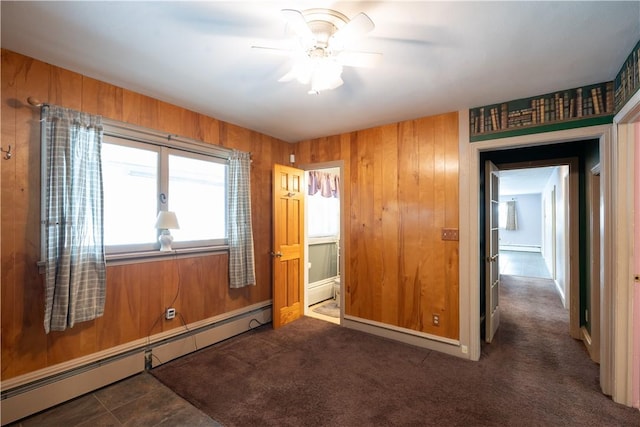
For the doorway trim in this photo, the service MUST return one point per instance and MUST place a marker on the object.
(622, 358)
(591, 336)
(470, 227)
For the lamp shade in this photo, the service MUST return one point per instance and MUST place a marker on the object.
(167, 220)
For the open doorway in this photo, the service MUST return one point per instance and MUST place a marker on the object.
(566, 237)
(322, 237)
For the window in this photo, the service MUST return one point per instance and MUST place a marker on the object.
(141, 178)
(130, 185)
(502, 215)
(197, 196)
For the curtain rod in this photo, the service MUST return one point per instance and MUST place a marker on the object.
(37, 103)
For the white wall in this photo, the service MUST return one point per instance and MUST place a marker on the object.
(529, 217)
(556, 262)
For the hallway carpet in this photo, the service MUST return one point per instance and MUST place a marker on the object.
(313, 373)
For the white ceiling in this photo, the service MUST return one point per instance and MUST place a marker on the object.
(524, 181)
(437, 56)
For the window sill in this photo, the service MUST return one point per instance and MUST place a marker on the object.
(150, 256)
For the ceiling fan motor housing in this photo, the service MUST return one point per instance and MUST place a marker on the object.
(323, 23)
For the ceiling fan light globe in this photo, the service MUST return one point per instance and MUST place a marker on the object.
(326, 76)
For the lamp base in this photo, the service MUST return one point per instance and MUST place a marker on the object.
(165, 240)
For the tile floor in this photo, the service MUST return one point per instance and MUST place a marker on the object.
(529, 264)
(139, 401)
(143, 401)
(320, 316)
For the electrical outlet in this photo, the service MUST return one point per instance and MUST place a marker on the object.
(170, 313)
(435, 320)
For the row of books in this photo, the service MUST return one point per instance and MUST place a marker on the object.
(628, 79)
(566, 105)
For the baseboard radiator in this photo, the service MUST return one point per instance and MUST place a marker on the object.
(43, 389)
(520, 248)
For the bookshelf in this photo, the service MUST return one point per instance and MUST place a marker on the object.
(627, 81)
(583, 106)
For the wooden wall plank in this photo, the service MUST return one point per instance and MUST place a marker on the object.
(121, 320)
(65, 88)
(408, 214)
(345, 205)
(140, 110)
(171, 120)
(355, 254)
(101, 98)
(261, 203)
(377, 142)
(452, 271)
(389, 225)
(72, 343)
(33, 80)
(209, 130)
(10, 72)
(429, 276)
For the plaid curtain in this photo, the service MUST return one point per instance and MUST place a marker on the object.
(239, 229)
(75, 261)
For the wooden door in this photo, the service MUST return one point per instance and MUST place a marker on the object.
(288, 244)
(492, 284)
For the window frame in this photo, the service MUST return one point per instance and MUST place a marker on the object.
(129, 133)
(165, 144)
(164, 189)
(137, 247)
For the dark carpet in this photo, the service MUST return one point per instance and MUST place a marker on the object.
(315, 373)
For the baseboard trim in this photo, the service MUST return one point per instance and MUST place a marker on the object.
(34, 392)
(561, 293)
(520, 248)
(585, 336)
(408, 336)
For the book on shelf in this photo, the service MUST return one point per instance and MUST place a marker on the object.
(494, 119)
(579, 102)
(503, 116)
(594, 99)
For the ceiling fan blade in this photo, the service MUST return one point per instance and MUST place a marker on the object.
(299, 25)
(360, 25)
(290, 76)
(359, 59)
(275, 50)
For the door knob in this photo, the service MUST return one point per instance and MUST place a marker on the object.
(276, 254)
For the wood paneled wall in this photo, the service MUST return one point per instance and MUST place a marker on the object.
(137, 294)
(400, 189)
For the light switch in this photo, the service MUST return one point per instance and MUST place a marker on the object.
(450, 234)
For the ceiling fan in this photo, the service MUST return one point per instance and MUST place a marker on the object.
(321, 52)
